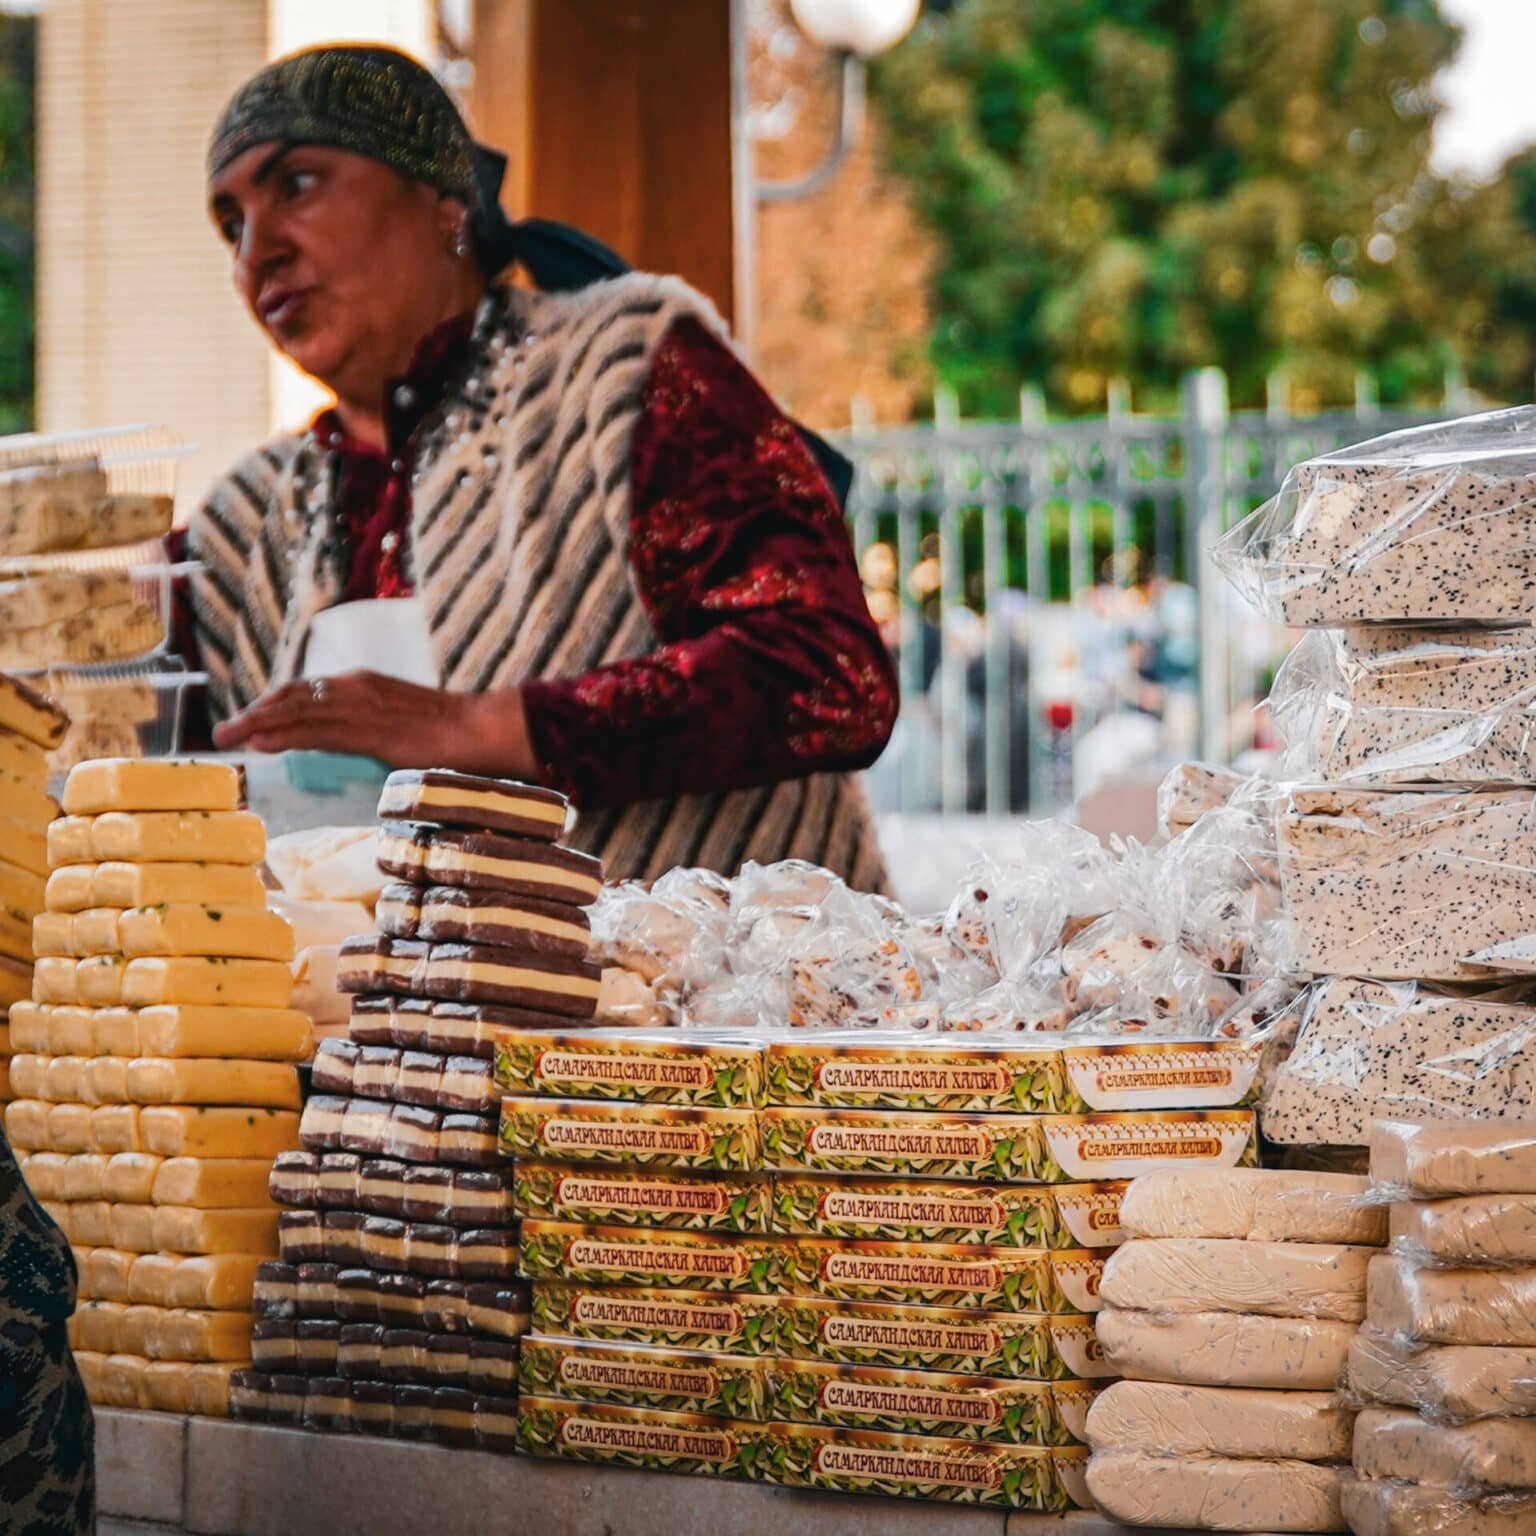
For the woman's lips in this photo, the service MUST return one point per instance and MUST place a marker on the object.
(282, 310)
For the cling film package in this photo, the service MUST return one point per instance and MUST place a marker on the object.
(957, 1275)
(888, 1070)
(659, 1135)
(1008, 1411)
(991, 1148)
(950, 1471)
(1127, 1144)
(1028, 1346)
(735, 1324)
(691, 1261)
(918, 1211)
(645, 1376)
(617, 1196)
(1163, 1074)
(692, 1067)
(642, 1437)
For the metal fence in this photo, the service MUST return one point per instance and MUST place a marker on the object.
(1047, 590)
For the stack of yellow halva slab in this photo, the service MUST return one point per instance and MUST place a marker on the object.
(154, 1073)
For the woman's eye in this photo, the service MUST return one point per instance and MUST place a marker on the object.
(229, 229)
(295, 183)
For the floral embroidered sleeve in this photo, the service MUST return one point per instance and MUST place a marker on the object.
(767, 664)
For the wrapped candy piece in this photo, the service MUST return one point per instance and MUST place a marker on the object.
(1433, 524)
(791, 883)
(1372, 1050)
(670, 945)
(1399, 883)
(1385, 706)
(1189, 791)
(1011, 1006)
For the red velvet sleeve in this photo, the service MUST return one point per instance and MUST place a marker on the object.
(767, 664)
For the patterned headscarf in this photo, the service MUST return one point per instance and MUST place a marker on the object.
(373, 101)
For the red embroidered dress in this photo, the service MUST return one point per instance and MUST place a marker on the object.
(767, 665)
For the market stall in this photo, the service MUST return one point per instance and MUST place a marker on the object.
(1123, 1185)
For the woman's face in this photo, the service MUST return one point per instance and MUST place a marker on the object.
(344, 262)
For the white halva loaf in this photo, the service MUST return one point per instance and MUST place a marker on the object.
(1225, 1349)
(1265, 1205)
(1465, 1157)
(1368, 1050)
(1448, 1383)
(1407, 883)
(1180, 1420)
(1199, 1274)
(1383, 705)
(1392, 1443)
(1467, 1229)
(1452, 1306)
(1405, 1509)
(1215, 1493)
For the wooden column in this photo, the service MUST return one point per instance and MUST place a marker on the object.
(616, 116)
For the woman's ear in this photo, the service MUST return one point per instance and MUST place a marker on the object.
(453, 224)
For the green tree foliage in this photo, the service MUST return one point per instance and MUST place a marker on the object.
(18, 42)
(1131, 188)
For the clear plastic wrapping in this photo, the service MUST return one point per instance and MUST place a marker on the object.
(1263, 1205)
(1225, 1349)
(1192, 790)
(1215, 1493)
(1200, 1274)
(1462, 1157)
(1429, 1305)
(1407, 706)
(1431, 524)
(1411, 1509)
(1394, 1444)
(1445, 1383)
(1497, 1231)
(1370, 1050)
(1245, 1422)
(1404, 883)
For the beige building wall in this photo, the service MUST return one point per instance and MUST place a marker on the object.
(136, 317)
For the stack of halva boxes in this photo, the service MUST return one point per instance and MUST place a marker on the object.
(1407, 845)
(861, 1261)
(1444, 1369)
(154, 1073)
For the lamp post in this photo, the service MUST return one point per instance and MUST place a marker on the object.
(854, 31)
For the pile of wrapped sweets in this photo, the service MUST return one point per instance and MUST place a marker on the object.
(1444, 1369)
(855, 1261)
(396, 1307)
(154, 1074)
(29, 727)
(1230, 1311)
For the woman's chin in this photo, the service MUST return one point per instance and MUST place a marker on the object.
(309, 354)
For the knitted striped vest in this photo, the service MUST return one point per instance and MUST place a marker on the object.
(520, 549)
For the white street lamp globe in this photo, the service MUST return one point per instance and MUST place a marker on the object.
(865, 27)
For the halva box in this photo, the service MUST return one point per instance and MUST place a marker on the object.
(891, 1070)
(641, 1437)
(646, 1376)
(1008, 1411)
(1127, 1144)
(919, 1467)
(620, 1196)
(660, 1135)
(1091, 1212)
(1163, 1074)
(987, 1148)
(953, 1275)
(685, 1067)
(689, 1261)
(918, 1211)
(735, 1324)
(1028, 1346)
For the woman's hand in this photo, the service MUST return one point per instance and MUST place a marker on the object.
(401, 724)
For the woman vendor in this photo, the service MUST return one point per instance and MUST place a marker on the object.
(561, 536)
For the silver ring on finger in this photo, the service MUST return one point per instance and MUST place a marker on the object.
(318, 690)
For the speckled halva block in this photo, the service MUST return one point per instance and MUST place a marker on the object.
(1407, 883)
